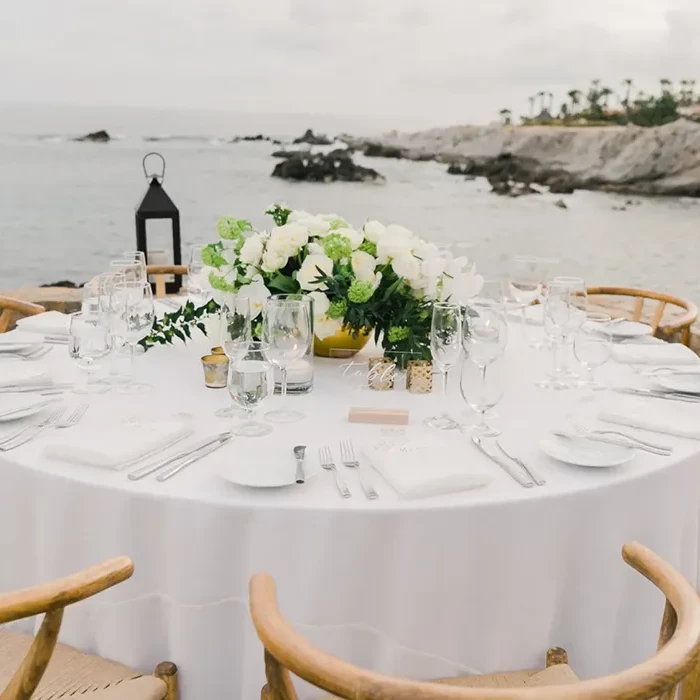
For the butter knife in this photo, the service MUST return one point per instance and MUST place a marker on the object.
(299, 454)
(688, 398)
(150, 468)
(198, 454)
(527, 483)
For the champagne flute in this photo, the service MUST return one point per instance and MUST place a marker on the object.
(236, 333)
(250, 382)
(556, 320)
(446, 349)
(482, 389)
(89, 344)
(287, 330)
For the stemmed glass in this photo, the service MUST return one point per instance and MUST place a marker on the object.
(593, 348)
(287, 331)
(198, 288)
(525, 287)
(236, 333)
(133, 270)
(250, 382)
(578, 304)
(557, 309)
(482, 390)
(133, 314)
(446, 349)
(485, 331)
(89, 344)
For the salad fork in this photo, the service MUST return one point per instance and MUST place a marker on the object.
(13, 442)
(584, 430)
(74, 417)
(326, 459)
(347, 457)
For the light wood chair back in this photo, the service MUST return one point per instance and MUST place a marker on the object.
(676, 661)
(51, 599)
(11, 308)
(159, 274)
(681, 322)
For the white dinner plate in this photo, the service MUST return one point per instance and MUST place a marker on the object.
(21, 372)
(687, 383)
(274, 468)
(628, 329)
(18, 406)
(586, 453)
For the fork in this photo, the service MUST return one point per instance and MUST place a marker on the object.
(590, 431)
(74, 417)
(326, 459)
(50, 420)
(347, 457)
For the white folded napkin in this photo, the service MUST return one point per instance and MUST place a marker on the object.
(115, 446)
(18, 337)
(419, 469)
(21, 373)
(661, 354)
(672, 422)
(48, 323)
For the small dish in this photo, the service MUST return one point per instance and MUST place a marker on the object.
(684, 383)
(582, 452)
(627, 329)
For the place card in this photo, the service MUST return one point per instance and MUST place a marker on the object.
(384, 416)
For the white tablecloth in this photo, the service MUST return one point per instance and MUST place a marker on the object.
(478, 581)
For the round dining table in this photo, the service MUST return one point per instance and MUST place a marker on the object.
(476, 581)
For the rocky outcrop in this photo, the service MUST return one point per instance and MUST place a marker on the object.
(323, 167)
(256, 137)
(66, 284)
(313, 139)
(96, 137)
(626, 159)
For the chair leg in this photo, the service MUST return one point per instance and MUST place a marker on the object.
(685, 336)
(167, 672)
(556, 656)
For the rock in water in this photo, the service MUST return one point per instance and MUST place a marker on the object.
(96, 136)
(324, 167)
(313, 139)
(561, 204)
(66, 284)
(376, 150)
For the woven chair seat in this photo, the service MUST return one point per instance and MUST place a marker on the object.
(71, 672)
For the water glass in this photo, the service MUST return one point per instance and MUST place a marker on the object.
(199, 290)
(250, 382)
(446, 349)
(287, 330)
(236, 333)
(557, 310)
(593, 348)
(89, 346)
(482, 388)
(484, 331)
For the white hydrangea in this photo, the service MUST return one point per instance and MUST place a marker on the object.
(273, 260)
(288, 239)
(252, 250)
(309, 272)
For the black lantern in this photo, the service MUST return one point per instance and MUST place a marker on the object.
(157, 205)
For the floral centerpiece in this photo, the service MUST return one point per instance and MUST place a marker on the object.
(377, 277)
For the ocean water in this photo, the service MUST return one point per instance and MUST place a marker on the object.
(67, 208)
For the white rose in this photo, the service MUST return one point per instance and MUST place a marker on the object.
(315, 226)
(252, 250)
(374, 231)
(396, 231)
(309, 271)
(288, 238)
(315, 249)
(406, 266)
(363, 265)
(321, 304)
(395, 243)
(355, 237)
(326, 327)
(273, 260)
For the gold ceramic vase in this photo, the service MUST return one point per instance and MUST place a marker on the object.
(342, 344)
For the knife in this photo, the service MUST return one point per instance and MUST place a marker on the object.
(41, 404)
(613, 441)
(527, 483)
(197, 455)
(688, 398)
(299, 453)
(150, 468)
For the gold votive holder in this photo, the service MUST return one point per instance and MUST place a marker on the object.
(215, 371)
(419, 376)
(380, 376)
(218, 350)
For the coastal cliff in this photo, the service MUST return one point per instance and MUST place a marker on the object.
(629, 159)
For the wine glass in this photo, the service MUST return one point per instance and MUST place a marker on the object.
(287, 332)
(578, 305)
(133, 270)
(484, 331)
(235, 334)
(133, 314)
(198, 288)
(556, 319)
(89, 344)
(250, 382)
(135, 255)
(525, 287)
(446, 348)
(482, 389)
(593, 348)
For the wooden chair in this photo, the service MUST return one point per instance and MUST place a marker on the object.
(676, 662)
(11, 308)
(680, 322)
(49, 671)
(160, 272)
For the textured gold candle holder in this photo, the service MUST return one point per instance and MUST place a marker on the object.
(419, 376)
(215, 371)
(380, 376)
(218, 350)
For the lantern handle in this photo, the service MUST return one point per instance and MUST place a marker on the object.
(159, 177)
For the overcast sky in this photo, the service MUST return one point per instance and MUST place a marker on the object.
(440, 59)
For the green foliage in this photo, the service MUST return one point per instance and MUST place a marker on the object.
(179, 324)
(337, 247)
(337, 309)
(337, 223)
(360, 292)
(211, 255)
(279, 214)
(369, 247)
(220, 283)
(231, 229)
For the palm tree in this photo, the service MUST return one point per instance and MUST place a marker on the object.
(666, 85)
(505, 116)
(551, 102)
(541, 94)
(575, 97)
(605, 95)
(628, 83)
(531, 100)
(691, 91)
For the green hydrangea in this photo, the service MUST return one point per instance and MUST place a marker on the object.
(258, 330)
(231, 229)
(360, 292)
(396, 334)
(369, 247)
(337, 247)
(337, 309)
(211, 255)
(220, 284)
(334, 224)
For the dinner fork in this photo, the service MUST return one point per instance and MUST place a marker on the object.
(347, 457)
(590, 431)
(74, 417)
(326, 459)
(50, 420)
